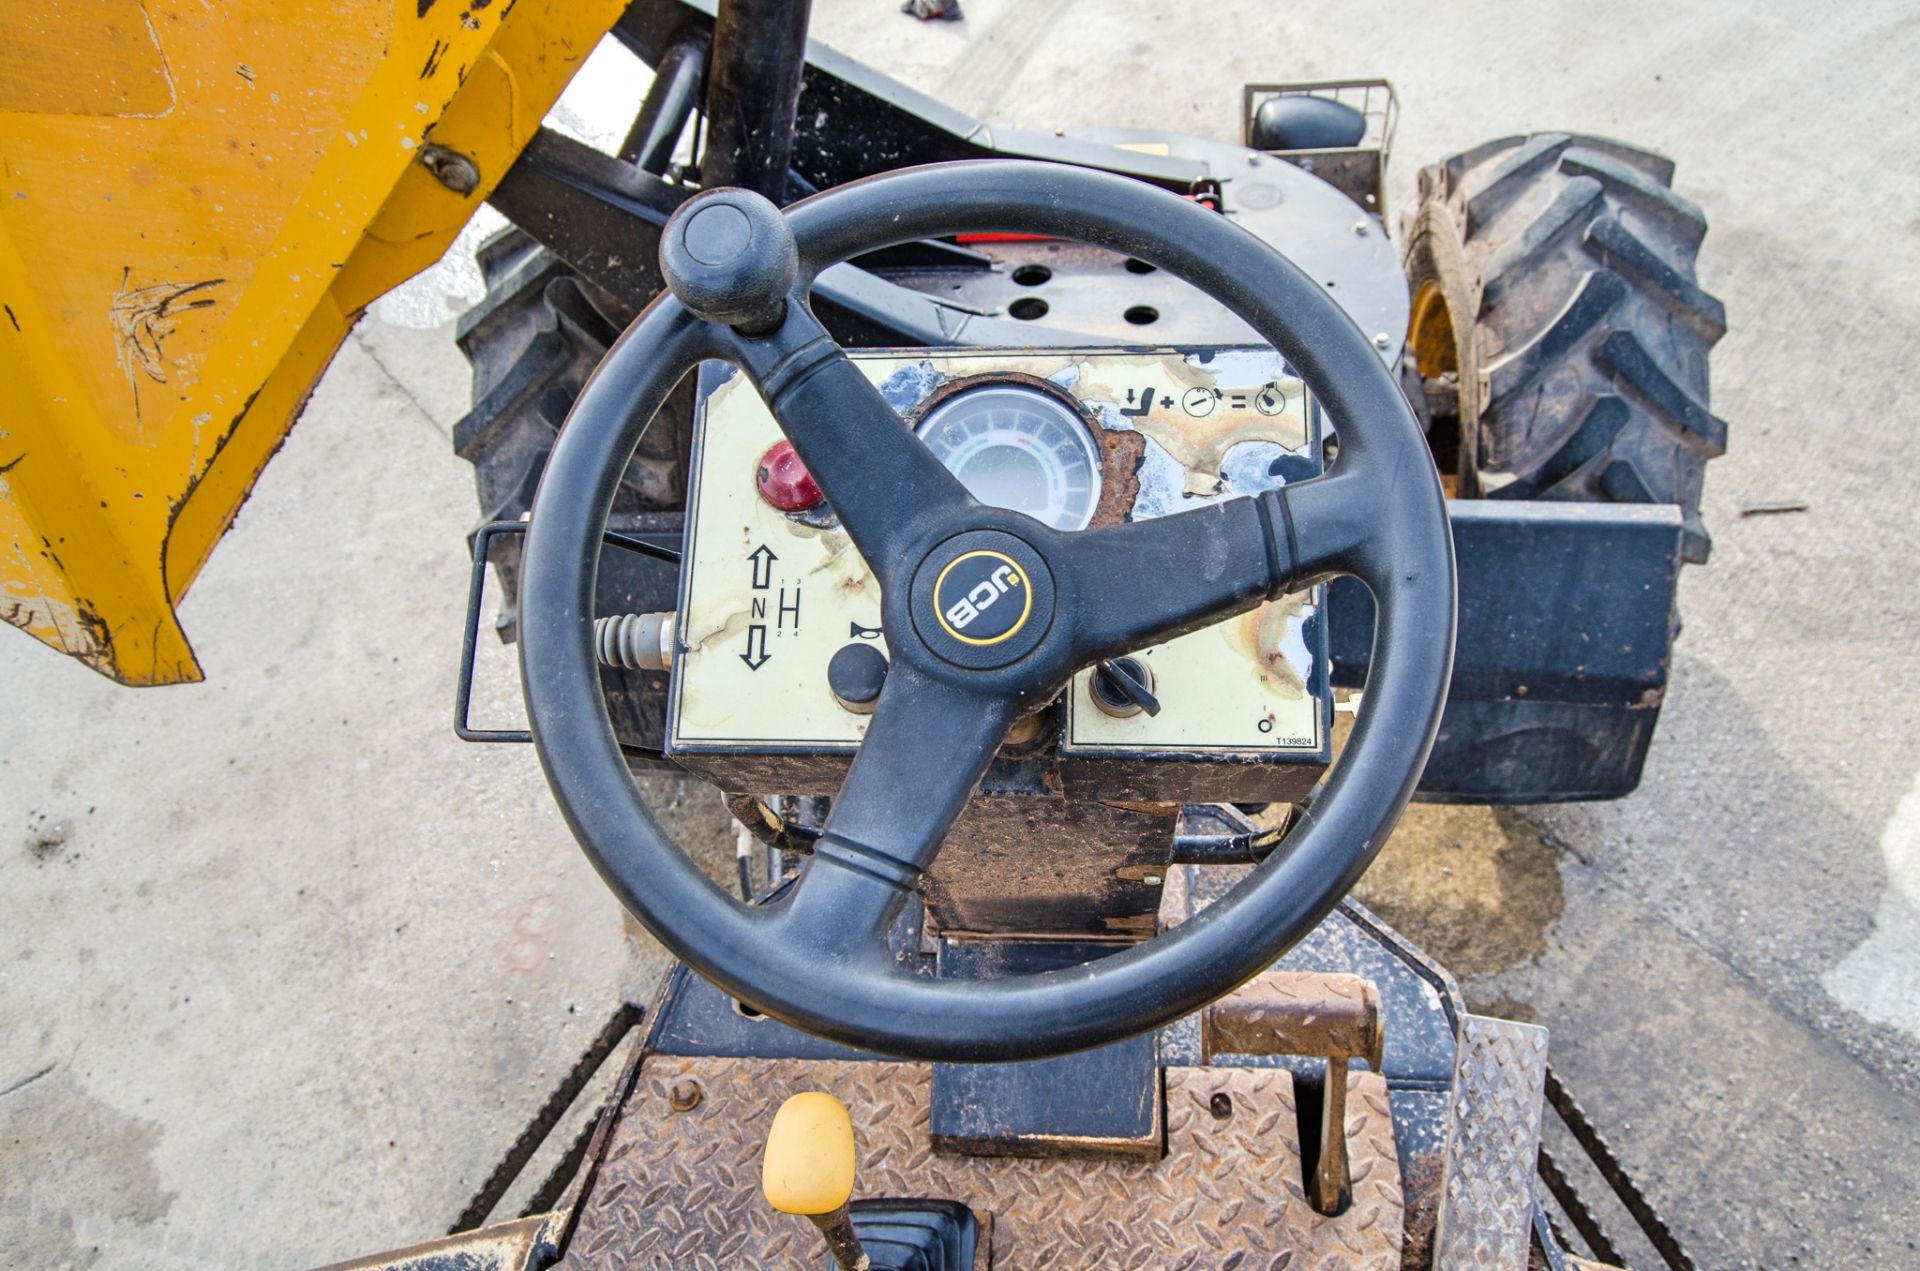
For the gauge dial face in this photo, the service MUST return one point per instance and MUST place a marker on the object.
(1018, 448)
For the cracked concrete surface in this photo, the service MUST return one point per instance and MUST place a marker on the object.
(287, 967)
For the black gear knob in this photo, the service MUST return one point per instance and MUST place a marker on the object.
(729, 256)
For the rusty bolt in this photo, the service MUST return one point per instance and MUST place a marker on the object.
(685, 1096)
(450, 168)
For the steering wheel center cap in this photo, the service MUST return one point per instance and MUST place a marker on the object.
(982, 599)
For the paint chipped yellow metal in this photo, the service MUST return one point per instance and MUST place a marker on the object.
(196, 202)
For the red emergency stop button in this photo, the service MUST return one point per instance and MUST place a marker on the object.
(784, 481)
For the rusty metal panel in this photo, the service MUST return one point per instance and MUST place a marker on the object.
(1052, 867)
(520, 1245)
(681, 1190)
(1493, 1145)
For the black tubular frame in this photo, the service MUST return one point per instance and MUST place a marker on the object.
(759, 51)
(669, 103)
(1389, 501)
(470, 637)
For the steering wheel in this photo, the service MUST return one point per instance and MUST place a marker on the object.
(739, 271)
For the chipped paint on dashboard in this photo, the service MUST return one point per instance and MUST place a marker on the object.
(768, 598)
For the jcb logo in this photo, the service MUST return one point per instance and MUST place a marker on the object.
(982, 597)
(961, 613)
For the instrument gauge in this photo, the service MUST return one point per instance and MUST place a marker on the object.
(1018, 448)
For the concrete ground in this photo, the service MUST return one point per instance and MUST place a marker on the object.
(288, 967)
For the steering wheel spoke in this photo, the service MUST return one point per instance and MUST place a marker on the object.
(1326, 526)
(925, 750)
(879, 478)
(1145, 582)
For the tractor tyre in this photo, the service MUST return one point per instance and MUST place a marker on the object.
(533, 340)
(1558, 329)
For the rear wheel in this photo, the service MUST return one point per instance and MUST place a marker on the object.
(533, 340)
(1558, 329)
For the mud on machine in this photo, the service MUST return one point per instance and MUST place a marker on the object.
(1052, 509)
(1069, 551)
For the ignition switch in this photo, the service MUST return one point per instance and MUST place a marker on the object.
(1123, 687)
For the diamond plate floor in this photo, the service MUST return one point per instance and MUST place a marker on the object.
(1493, 1143)
(682, 1190)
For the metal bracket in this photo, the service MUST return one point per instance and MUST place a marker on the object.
(476, 590)
(1359, 172)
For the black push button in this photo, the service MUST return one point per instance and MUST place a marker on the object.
(856, 675)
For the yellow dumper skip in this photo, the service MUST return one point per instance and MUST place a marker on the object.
(196, 202)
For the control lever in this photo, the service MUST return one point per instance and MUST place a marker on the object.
(1326, 1014)
(635, 641)
(808, 1171)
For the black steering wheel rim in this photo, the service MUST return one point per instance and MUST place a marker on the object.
(1388, 502)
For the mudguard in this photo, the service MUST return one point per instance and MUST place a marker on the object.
(196, 203)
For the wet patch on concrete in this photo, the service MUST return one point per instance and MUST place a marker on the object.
(90, 1164)
(1477, 888)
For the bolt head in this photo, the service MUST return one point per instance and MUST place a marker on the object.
(685, 1095)
(450, 168)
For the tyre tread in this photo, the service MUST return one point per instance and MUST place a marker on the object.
(1513, 374)
(1591, 333)
(1623, 353)
(1618, 247)
(1504, 181)
(1635, 186)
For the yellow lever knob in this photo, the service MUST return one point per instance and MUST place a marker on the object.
(808, 1168)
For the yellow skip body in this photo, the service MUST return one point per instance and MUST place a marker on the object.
(196, 202)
